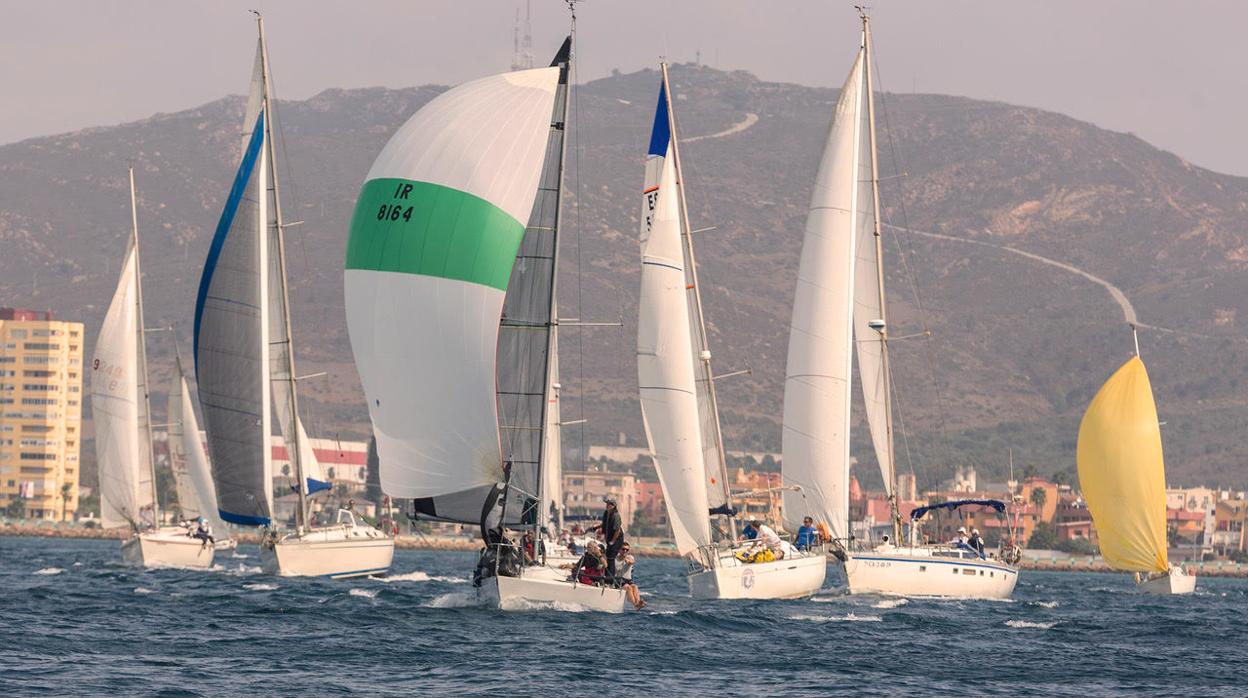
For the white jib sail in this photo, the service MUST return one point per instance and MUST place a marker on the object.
(669, 404)
(119, 446)
(432, 245)
(187, 447)
(817, 383)
(551, 513)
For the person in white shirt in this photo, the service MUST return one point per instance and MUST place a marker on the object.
(771, 539)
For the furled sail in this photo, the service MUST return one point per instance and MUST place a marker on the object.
(817, 383)
(665, 368)
(232, 334)
(120, 449)
(433, 242)
(190, 463)
(1122, 471)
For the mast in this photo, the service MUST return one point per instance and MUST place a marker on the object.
(704, 349)
(293, 446)
(879, 268)
(138, 300)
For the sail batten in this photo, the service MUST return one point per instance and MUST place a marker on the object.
(1122, 471)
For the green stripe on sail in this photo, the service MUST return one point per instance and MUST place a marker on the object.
(428, 229)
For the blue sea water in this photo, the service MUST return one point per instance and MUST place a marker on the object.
(75, 621)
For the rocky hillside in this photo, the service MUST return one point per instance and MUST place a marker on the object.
(984, 199)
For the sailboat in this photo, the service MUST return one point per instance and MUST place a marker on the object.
(678, 399)
(450, 301)
(839, 309)
(1123, 477)
(245, 369)
(123, 428)
(197, 495)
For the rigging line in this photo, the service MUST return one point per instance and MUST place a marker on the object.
(912, 281)
(290, 174)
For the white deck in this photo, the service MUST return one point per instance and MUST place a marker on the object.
(1176, 581)
(350, 549)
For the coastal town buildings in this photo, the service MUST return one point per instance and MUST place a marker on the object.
(40, 414)
(583, 491)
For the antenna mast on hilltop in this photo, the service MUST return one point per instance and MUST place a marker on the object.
(523, 47)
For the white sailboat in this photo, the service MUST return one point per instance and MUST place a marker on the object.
(450, 304)
(123, 430)
(839, 305)
(1122, 474)
(245, 368)
(678, 400)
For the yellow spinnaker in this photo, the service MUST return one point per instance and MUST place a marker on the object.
(1122, 473)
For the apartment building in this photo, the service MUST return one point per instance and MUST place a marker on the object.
(40, 413)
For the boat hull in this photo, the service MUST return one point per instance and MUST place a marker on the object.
(542, 590)
(167, 547)
(902, 573)
(1175, 582)
(334, 552)
(794, 578)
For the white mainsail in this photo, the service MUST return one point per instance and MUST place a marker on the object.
(432, 246)
(231, 336)
(120, 449)
(665, 355)
(189, 461)
(818, 372)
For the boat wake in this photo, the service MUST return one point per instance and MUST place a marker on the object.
(528, 605)
(237, 571)
(144, 590)
(260, 587)
(890, 603)
(49, 571)
(1030, 624)
(1043, 604)
(847, 618)
(458, 599)
(421, 577)
(365, 593)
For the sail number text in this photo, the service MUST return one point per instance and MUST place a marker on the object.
(395, 211)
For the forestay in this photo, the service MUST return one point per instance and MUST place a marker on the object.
(817, 384)
(1122, 472)
(432, 245)
(665, 355)
(232, 334)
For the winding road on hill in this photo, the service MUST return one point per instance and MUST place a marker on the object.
(749, 120)
(1128, 310)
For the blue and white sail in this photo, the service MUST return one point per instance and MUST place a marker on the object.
(665, 352)
(231, 336)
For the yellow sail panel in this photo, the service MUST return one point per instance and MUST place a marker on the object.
(1122, 473)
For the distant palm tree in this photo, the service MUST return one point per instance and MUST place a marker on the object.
(1039, 497)
(64, 499)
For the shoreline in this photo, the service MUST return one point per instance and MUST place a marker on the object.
(423, 542)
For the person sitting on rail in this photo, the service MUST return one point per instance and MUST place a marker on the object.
(592, 567)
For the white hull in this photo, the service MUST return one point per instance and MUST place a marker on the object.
(940, 572)
(540, 587)
(337, 552)
(793, 578)
(166, 547)
(1175, 582)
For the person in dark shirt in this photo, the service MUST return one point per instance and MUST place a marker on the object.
(612, 529)
(750, 532)
(977, 542)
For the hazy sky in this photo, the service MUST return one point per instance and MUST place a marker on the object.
(1174, 73)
